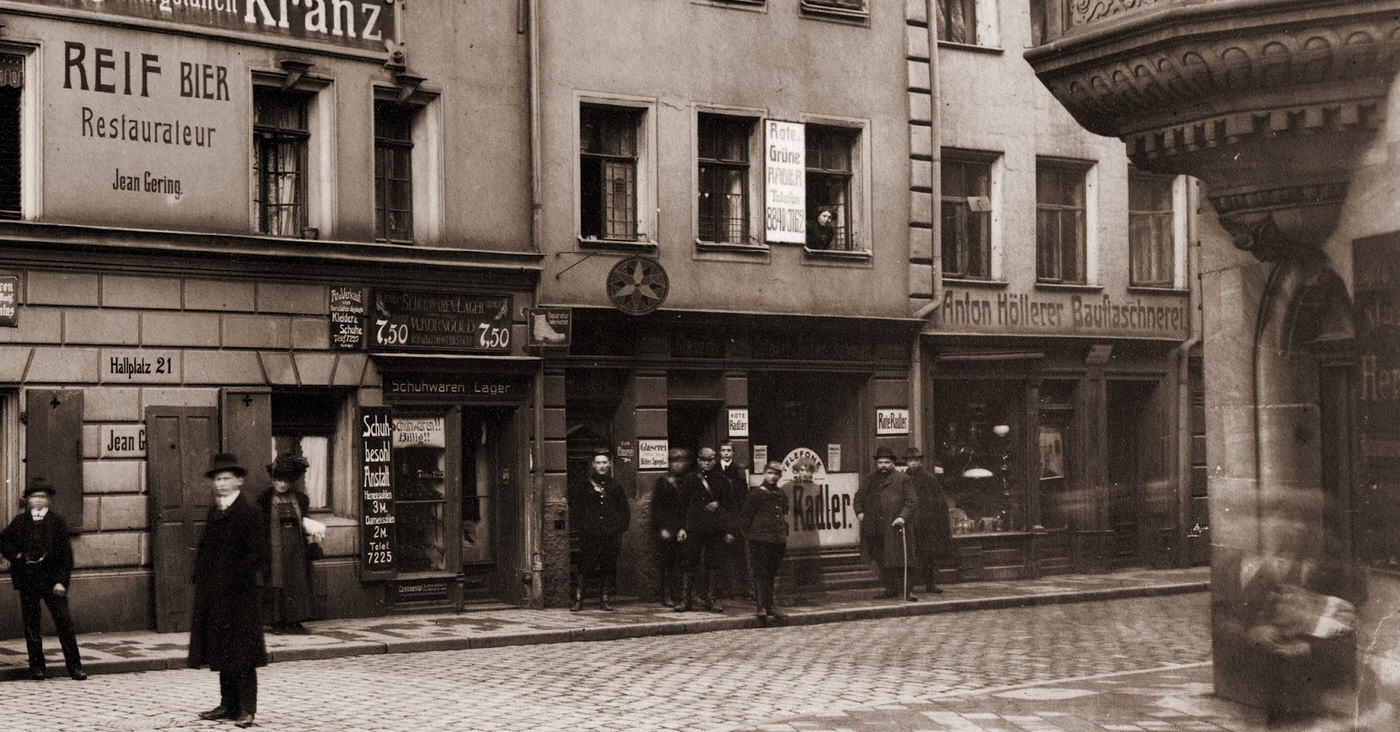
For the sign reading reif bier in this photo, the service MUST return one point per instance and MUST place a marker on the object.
(376, 459)
(347, 318)
(785, 171)
(439, 321)
(366, 24)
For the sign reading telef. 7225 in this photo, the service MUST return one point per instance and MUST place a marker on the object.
(439, 321)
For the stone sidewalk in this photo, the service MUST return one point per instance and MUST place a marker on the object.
(494, 627)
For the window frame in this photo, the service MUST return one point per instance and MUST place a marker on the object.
(319, 178)
(400, 151)
(427, 168)
(1172, 260)
(754, 238)
(275, 135)
(989, 258)
(837, 8)
(30, 133)
(983, 27)
(1086, 207)
(858, 191)
(644, 187)
(337, 428)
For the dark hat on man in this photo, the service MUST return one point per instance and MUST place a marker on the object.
(39, 484)
(773, 465)
(912, 452)
(884, 452)
(288, 466)
(225, 462)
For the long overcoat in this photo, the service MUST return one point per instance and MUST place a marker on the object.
(882, 498)
(931, 529)
(667, 506)
(699, 490)
(226, 623)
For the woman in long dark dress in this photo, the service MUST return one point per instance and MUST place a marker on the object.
(288, 590)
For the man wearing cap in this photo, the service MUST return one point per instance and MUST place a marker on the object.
(41, 560)
(226, 626)
(931, 532)
(884, 504)
(709, 527)
(763, 522)
(599, 512)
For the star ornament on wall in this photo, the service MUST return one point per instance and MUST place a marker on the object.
(637, 285)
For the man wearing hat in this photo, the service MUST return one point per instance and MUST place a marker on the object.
(226, 627)
(41, 560)
(884, 504)
(763, 523)
(931, 533)
(599, 512)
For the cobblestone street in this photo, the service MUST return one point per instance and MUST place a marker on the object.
(718, 680)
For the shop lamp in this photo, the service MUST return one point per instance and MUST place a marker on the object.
(977, 473)
(1001, 430)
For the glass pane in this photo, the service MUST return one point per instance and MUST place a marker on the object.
(1047, 244)
(608, 131)
(420, 490)
(1072, 246)
(1059, 186)
(1149, 192)
(619, 199)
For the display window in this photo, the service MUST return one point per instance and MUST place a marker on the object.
(420, 485)
(979, 433)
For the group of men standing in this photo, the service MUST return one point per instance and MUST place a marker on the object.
(704, 534)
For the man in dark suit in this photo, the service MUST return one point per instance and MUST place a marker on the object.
(600, 513)
(736, 567)
(41, 560)
(884, 504)
(708, 530)
(226, 628)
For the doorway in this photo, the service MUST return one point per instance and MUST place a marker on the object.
(693, 424)
(1134, 440)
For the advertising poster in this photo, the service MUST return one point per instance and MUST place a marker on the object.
(785, 172)
(821, 513)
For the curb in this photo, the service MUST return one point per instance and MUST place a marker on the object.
(646, 629)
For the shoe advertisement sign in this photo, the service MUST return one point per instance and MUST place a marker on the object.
(550, 327)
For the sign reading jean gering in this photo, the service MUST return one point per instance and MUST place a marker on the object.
(407, 321)
(376, 492)
(785, 171)
(821, 513)
(368, 24)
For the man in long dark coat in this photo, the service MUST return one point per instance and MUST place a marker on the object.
(709, 529)
(226, 626)
(931, 531)
(884, 504)
(599, 512)
(736, 569)
(667, 519)
(41, 561)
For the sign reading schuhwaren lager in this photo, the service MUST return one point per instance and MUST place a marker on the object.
(359, 23)
(439, 321)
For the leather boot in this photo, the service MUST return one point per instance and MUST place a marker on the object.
(603, 603)
(687, 593)
(710, 603)
(768, 594)
(578, 599)
(757, 590)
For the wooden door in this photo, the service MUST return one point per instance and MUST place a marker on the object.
(54, 448)
(180, 442)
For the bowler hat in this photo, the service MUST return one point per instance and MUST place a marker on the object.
(912, 452)
(224, 462)
(39, 484)
(288, 466)
(884, 452)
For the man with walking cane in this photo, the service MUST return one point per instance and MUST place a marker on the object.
(884, 505)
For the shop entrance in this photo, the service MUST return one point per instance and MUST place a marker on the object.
(1135, 449)
(486, 502)
(693, 424)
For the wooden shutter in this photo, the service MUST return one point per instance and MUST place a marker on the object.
(54, 447)
(246, 419)
(179, 444)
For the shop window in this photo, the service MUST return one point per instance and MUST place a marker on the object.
(304, 423)
(1061, 222)
(723, 143)
(830, 188)
(971, 22)
(1151, 229)
(979, 431)
(838, 8)
(281, 137)
(421, 491)
(393, 172)
(11, 135)
(610, 172)
(789, 410)
(967, 217)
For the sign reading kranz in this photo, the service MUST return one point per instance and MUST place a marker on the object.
(1061, 313)
(785, 173)
(892, 421)
(376, 462)
(368, 24)
(821, 512)
(439, 321)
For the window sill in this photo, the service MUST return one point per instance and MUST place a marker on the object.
(1158, 290)
(1068, 287)
(828, 12)
(731, 248)
(836, 255)
(970, 282)
(974, 48)
(618, 245)
(753, 6)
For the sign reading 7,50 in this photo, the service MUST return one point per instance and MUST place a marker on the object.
(438, 321)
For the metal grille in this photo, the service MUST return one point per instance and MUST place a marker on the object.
(393, 172)
(724, 178)
(608, 172)
(280, 138)
(1059, 192)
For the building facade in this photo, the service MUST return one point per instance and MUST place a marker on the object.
(1055, 367)
(253, 228)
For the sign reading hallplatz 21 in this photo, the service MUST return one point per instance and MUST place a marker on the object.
(358, 23)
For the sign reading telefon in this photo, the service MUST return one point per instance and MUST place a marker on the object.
(821, 513)
(785, 171)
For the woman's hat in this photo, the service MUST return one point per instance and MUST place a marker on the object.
(288, 466)
(884, 452)
(39, 484)
(224, 462)
(913, 452)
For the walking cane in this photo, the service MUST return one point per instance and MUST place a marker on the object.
(904, 541)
